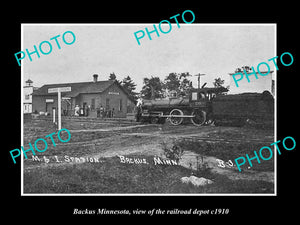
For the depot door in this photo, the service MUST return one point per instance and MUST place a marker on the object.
(49, 106)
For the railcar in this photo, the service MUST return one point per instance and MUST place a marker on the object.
(209, 105)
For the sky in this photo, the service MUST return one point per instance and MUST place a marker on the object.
(211, 49)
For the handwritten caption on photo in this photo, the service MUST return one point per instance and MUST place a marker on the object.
(66, 159)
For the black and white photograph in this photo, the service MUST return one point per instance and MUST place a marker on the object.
(144, 109)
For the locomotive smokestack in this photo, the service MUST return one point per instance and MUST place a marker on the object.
(95, 76)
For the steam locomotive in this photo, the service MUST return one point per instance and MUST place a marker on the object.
(210, 105)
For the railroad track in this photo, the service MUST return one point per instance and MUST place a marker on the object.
(157, 134)
(110, 128)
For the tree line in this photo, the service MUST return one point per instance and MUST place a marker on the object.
(154, 87)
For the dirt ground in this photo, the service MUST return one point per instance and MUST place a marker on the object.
(207, 145)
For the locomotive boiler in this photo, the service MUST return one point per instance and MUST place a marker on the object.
(209, 105)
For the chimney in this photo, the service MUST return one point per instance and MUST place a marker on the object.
(95, 77)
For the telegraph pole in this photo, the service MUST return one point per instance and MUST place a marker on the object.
(202, 74)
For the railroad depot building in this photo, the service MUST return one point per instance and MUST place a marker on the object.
(90, 97)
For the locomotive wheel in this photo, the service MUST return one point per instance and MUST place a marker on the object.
(154, 120)
(200, 117)
(176, 120)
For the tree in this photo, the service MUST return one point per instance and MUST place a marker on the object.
(172, 82)
(185, 84)
(178, 82)
(153, 88)
(128, 84)
(218, 82)
(242, 69)
(112, 76)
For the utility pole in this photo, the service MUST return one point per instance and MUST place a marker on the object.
(202, 74)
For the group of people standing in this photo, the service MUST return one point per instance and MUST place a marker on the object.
(82, 111)
(101, 111)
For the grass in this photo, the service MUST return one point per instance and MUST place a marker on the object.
(229, 151)
(112, 176)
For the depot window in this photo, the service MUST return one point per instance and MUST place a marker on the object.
(120, 105)
(92, 104)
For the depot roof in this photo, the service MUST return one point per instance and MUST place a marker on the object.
(78, 88)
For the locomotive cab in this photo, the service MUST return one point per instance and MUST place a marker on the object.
(201, 104)
(201, 97)
(205, 94)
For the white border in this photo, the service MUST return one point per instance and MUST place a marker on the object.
(22, 116)
(152, 194)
